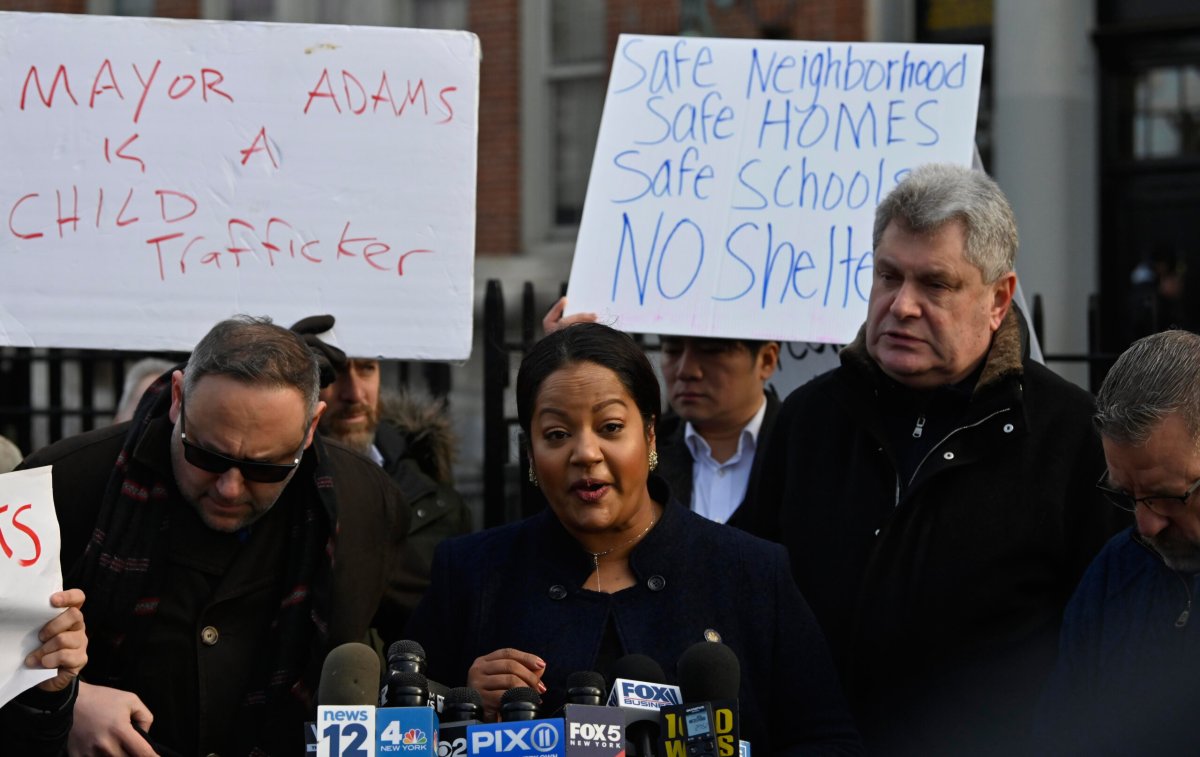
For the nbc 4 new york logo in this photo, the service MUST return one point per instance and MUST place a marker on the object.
(407, 730)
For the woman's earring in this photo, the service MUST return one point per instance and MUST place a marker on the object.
(532, 476)
(653, 459)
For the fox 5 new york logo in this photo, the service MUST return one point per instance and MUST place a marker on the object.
(593, 734)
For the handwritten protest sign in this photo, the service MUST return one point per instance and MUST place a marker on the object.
(734, 181)
(29, 574)
(161, 175)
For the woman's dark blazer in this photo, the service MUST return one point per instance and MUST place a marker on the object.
(519, 586)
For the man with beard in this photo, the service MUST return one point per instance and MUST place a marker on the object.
(224, 549)
(1127, 678)
(410, 439)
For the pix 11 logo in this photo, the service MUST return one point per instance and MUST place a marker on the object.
(532, 738)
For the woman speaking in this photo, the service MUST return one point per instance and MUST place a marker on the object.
(616, 567)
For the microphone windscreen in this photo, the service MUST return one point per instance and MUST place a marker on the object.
(709, 671)
(406, 646)
(460, 695)
(586, 687)
(519, 703)
(520, 694)
(586, 679)
(639, 667)
(350, 676)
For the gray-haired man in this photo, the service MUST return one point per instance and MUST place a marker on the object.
(1128, 676)
(935, 490)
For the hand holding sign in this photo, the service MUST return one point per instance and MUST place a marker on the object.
(64, 642)
(29, 573)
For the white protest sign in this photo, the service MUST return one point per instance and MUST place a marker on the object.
(734, 183)
(161, 175)
(29, 574)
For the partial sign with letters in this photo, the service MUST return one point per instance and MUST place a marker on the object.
(29, 574)
(528, 738)
(161, 175)
(345, 731)
(734, 181)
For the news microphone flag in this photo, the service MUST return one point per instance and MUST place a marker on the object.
(643, 695)
(344, 730)
(406, 731)
(521, 738)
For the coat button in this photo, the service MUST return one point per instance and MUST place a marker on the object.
(209, 636)
(1008, 428)
(948, 455)
(420, 512)
(656, 583)
(558, 591)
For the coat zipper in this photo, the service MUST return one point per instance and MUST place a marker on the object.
(932, 449)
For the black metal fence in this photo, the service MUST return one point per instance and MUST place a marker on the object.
(49, 394)
(507, 494)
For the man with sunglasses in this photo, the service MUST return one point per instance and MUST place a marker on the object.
(224, 548)
(1128, 675)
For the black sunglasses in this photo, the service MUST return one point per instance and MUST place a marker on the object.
(215, 462)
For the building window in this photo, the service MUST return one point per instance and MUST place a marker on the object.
(1166, 112)
(567, 72)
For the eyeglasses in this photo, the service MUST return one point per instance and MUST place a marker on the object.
(215, 462)
(1166, 505)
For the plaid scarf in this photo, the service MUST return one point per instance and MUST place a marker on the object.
(124, 568)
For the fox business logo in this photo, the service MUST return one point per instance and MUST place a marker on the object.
(648, 695)
(538, 739)
(593, 734)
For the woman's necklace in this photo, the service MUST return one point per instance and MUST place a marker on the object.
(597, 555)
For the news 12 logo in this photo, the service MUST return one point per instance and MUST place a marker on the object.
(641, 694)
(532, 738)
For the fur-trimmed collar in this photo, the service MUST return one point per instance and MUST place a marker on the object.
(427, 430)
(1004, 357)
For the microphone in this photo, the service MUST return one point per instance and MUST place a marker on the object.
(349, 676)
(709, 679)
(585, 687)
(639, 691)
(592, 730)
(462, 703)
(519, 703)
(346, 698)
(463, 707)
(406, 689)
(407, 656)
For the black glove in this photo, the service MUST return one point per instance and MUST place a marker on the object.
(329, 358)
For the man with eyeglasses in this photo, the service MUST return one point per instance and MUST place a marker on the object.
(224, 549)
(1128, 675)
